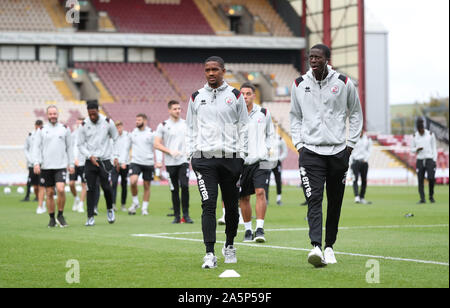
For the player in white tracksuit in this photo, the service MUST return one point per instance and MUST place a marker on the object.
(321, 102)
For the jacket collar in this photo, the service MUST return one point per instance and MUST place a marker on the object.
(331, 73)
(221, 88)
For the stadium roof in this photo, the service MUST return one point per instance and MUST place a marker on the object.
(151, 40)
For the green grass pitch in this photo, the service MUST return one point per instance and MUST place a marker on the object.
(377, 246)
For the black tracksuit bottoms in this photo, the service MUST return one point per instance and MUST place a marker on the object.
(211, 173)
(93, 174)
(179, 176)
(316, 171)
(427, 166)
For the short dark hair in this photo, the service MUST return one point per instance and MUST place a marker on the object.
(92, 104)
(38, 123)
(216, 59)
(325, 49)
(172, 102)
(249, 85)
(141, 115)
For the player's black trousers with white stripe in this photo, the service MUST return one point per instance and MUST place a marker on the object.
(360, 167)
(103, 173)
(211, 173)
(179, 176)
(427, 166)
(316, 171)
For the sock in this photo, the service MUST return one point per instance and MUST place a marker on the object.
(260, 223)
(248, 225)
(145, 205)
(278, 198)
(209, 248)
(135, 200)
(81, 204)
(229, 241)
(52, 215)
(77, 199)
(60, 213)
(223, 211)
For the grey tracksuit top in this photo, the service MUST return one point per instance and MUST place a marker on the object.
(93, 138)
(173, 135)
(217, 122)
(319, 111)
(261, 136)
(52, 147)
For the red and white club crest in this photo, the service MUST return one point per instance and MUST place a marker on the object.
(229, 100)
(335, 90)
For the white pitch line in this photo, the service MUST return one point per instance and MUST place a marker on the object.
(307, 229)
(165, 236)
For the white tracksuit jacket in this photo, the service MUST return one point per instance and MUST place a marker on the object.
(319, 111)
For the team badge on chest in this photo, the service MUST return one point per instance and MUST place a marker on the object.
(335, 90)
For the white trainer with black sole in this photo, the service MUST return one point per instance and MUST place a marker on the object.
(132, 209)
(209, 261)
(229, 253)
(90, 222)
(315, 257)
(329, 256)
(111, 216)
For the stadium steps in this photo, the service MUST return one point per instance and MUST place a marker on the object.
(57, 14)
(211, 16)
(105, 95)
(64, 89)
(105, 23)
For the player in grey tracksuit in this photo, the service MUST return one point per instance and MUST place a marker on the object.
(170, 138)
(52, 155)
(258, 165)
(123, 142)
(424, 146)
(94, 144)
(321, 102)
(217, 120)
(359, 164)
(33, 179)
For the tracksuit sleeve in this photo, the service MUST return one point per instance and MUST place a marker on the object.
(284, 150)
(296, 119)
(69, 148)
(81, 143)
(434, 147)
(192, 129)
(242, 127)
(28, 151)
(37, 148)
(355, 115)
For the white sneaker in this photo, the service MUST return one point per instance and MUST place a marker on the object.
(90, 222)
(230, 254)
(144, 212)
(111, 216)
(364, 201)
(75, 206)
(221, 221)
(40, 210)
(315, 257)
(357, 199)
(209, 261)
(132, 209)
(80, 208)
(329, 256)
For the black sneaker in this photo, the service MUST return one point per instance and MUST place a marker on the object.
(25, 200)
(421, 202)
(259, 235)
(61, 221)
(52, 223)
(176, 220)
(248, 236)
(432, 200)
(188, 220)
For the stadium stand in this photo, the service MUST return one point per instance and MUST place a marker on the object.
(264, 14)
(135, 88)
(152, 16)
(25, 15)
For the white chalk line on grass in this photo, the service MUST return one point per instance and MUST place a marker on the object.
(170, 236)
